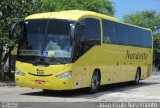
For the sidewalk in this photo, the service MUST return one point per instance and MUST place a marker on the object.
(7, 83)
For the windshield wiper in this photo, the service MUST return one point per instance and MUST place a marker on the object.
(45, 61)
(26, 58)
(61, 61)
(40, 60)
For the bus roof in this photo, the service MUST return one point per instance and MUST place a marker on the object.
(76, 15)
(70, 15)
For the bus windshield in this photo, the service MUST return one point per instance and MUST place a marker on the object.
(45, 38)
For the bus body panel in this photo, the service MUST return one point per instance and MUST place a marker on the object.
(111, 60)
(113, 64)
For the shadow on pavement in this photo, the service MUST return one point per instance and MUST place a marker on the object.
(83, 93)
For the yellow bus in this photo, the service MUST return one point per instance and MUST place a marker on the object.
(80, 49)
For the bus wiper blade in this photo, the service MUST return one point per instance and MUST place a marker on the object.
(26, 58)
(39, 60)
(59, 60)
(41, 63)
(44, 60)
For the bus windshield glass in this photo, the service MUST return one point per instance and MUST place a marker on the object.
(45, 38)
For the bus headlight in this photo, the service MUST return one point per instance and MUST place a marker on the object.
(18, 72)
(65, 75)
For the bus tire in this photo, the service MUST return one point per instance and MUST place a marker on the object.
(137, 77)
(95, 82)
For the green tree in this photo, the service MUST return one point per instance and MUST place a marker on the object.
(148, 19)
(101, 6)
(11, 11)
(156, 50)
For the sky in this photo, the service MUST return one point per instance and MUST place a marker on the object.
(123, 7)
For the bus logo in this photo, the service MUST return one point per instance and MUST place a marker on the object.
(136, 55)
(40, 72)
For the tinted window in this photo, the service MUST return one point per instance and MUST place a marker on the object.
(46, 38)
(79, 37)
(109, 31)
(117, 33)
(92, 29)
(87, 35)
(92, 33)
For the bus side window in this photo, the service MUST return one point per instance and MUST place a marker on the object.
(91, 33)
(79, 39)
(107, 39)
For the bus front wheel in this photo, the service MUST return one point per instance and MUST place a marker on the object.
(95, 82)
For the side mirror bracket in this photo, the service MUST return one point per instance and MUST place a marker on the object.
(12, 28)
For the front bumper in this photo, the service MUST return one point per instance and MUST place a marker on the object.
(50, 82)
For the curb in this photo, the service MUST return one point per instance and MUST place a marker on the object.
(8, 84)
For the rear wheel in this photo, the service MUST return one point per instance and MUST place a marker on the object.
(95, 82)
(137, 77)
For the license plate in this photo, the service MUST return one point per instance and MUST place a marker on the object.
(40, 82)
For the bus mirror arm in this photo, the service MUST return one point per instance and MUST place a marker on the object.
(12, 28)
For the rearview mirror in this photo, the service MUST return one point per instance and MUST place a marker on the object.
(74, 26)
(72, 31)
(19, 24)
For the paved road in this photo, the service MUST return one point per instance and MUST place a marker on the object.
(147, 91)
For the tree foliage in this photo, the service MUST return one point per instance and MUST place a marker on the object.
(148, 19)
(156, 50)
(13, 10)
(101, 6)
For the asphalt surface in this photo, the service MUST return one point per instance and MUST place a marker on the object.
(147, 91)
